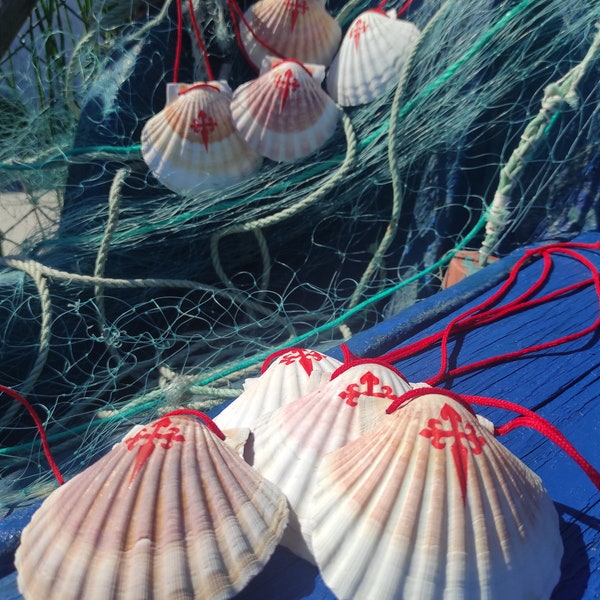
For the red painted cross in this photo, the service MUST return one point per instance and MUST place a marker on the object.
(204, 125)
(147, 438)
(288, 84)
(297, 7)
(367, 386)
(458, 432)
(356, 30)
(305, 358)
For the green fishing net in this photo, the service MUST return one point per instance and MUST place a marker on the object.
(126, 299)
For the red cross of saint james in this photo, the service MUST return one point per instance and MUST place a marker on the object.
(369, 385)
(357, 30)
(204, 125)
(459, 433)
(296, 7)
(304, 358)
(287, 84)
(160, 431)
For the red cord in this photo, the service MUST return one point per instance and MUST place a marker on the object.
(486, 312)
(424, 391)
(404, 8)
(350, 360)
(40, 428)
(526, 418)
(200, 42)
(291, 60)
(530, 419)
(199, 86)
(236, 11)
(381, 7)
(199, 39)
(179, 42)
(419, 346)
(501, 312)
(210, 424)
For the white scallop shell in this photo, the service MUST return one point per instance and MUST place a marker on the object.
(289, 375)
(290, 442)
(284, 114)
(191, 145)
(299, 29)
(371, 57)
(169, 512)
(429, 505)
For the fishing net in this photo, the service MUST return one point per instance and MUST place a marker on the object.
(130, 300)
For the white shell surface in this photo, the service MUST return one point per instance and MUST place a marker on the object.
(289, 376)
(299, 29)
(429, 505)
(170, 512)
(191, 145)
(284, 114)
(371, 58)
(290, 442)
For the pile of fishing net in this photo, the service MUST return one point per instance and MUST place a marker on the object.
(138, 299)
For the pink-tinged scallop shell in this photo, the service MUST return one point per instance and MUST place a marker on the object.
(191, 145)
(371, 57)
(299, 29)
(430, 505)
(289, 443)
(289, 375)
(284, 114)
(170, 512)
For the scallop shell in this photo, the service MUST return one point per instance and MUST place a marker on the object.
(290, 442)
(371, 57)
(299, 29)
(429, 505)
(284, 114)
(191, 145)
(170, 512)
(290, 375)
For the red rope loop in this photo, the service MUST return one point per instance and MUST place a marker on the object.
(294, 61)
(519, 304)
(199, 40)
(179, 43)
(404, 8)
(40, 427)
(350, 360)
(426, 391)
(235, 12)
(190, 412)
(275, 355)
(526, 418)
(198, 86)
(381, 7)
(529, 418)
(488, 311)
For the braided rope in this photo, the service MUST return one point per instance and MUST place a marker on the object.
(556, 96)
(114, 199)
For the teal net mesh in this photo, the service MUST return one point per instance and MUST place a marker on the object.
(125, 300)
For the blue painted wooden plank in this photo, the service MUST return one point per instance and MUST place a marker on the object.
(562, 384)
